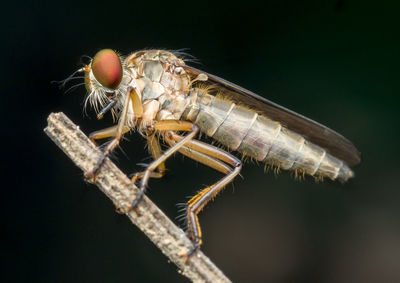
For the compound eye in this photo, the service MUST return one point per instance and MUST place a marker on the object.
(107, 68)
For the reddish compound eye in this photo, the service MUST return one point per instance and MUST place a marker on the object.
(107, 68)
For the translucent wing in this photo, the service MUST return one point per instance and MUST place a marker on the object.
(333, 142)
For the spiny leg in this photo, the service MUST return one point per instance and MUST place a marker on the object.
(106, 133)
(197, 203)
(165, 125)
(91, 175)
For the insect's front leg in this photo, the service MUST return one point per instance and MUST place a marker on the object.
(106, 133)
(119, 132)
(165, 125)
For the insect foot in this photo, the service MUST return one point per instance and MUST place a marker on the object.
(90, 176)
(188, 254)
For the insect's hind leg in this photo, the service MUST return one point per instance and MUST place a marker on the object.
(211, 156)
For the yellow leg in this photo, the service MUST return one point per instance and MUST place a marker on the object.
(200, 157)
(155, 150)
(106, 133)
(213, 155)
(119, 132)
(165, 125)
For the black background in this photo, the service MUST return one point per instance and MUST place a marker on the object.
(335, 61)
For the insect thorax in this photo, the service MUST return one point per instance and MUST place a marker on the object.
(162, 83)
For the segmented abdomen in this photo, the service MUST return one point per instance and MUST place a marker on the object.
(242, 129)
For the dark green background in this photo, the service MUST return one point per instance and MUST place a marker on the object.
(334, 61)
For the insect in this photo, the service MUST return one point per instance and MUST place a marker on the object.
(156, 93)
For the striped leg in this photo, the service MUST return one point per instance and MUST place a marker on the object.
(211, 156)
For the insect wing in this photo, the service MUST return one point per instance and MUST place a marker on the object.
(333, 142)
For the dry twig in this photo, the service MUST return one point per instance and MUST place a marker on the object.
(170, 239)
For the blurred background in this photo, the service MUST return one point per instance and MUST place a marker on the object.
(334, 61)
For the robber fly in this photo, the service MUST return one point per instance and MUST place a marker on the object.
(156, 93)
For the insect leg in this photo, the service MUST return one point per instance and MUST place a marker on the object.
(91, 175)
(165, 125)
(201, 157)
(197, 203)
(155, 150)
(206, 149)
(106, 133)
